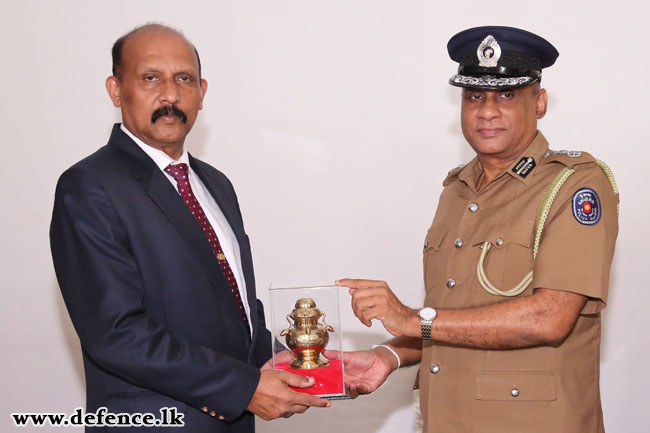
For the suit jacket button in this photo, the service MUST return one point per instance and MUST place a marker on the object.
(204, 408)
(221, 417)
(213, 413)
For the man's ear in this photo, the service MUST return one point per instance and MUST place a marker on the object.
(204, 88)
(113, 89)
(541, 103)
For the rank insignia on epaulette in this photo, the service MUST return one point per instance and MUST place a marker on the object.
(586, 206)
(455, 168)
(569, 153)
(524, 166)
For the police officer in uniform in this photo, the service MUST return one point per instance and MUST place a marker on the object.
(516, 264)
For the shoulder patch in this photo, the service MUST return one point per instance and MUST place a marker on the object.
(586, 206)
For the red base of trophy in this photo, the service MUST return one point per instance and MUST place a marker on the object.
(328, 379)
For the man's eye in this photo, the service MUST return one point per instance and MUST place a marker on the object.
(184, 78)
(476, 96)
(149, 78)
(507, 95)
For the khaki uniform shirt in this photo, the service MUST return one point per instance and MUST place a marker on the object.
(539, 389)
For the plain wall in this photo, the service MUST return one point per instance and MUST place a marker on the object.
(335, 122)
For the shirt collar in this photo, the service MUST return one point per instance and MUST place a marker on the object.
(470, 174)
(535, 151)
(161, 159)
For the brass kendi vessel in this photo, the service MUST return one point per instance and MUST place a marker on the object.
(306, 337)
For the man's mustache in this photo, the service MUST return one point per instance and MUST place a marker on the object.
(168, 110)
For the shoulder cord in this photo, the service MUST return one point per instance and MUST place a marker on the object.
(542, 214)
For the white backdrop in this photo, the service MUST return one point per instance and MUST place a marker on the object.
(335, 122)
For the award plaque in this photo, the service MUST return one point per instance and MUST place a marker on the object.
(307, 340)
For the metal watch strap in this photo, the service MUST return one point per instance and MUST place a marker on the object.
(426, 329)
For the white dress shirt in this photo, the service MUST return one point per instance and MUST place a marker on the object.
(215, 216)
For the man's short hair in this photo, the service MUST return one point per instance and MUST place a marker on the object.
(116, 51)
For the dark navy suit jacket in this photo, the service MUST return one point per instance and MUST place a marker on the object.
(158, 324)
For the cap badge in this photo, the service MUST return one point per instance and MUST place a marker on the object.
(488, 52)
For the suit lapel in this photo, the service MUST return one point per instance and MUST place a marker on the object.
(231, 212)
(171, 204)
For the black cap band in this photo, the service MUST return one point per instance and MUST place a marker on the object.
(476, 71)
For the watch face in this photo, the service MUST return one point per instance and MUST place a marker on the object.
(427, 313)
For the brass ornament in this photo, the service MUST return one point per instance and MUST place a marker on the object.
(307, 337)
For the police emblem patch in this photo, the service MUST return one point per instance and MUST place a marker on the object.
(586, 206)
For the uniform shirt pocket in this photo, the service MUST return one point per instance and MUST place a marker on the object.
(510, 257)
(434, 266)
(520, 386)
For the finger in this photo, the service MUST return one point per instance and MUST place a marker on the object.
(355, 283)
(296, 380)
(352, 391)
(366, 316)
(332, 354)
(303, 399)
(371, 302)
(284, 356)
(369, 292)
(310, 400)
(360, 314)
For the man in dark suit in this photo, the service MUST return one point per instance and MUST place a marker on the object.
(154, 264)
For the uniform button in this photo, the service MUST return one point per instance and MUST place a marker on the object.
(499, 242)
(473, 207)
(426, 244)
(515, 392)
(221, 418)
(451, 283)
(458, 243)
(213, 413)
(434, 368)
(204, 408)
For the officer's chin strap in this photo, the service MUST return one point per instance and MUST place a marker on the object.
(542, 214)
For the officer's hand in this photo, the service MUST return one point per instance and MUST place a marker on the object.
(365, 370)
(375, 300)
(273, 398)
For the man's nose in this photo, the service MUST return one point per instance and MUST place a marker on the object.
(489, 109)
(169, 92)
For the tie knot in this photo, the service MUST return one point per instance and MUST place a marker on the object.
(177, 171)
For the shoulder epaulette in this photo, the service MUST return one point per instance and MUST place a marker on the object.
(568, 158)
(452, 174)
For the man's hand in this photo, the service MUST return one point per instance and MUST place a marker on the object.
(375, 300)
(365, 370)
(273, 398)
(283, 356)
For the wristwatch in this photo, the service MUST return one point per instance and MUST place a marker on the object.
(427, 316)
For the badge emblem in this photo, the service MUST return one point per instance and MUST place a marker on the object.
(524, 166)
(488, 52)
(586, 206)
